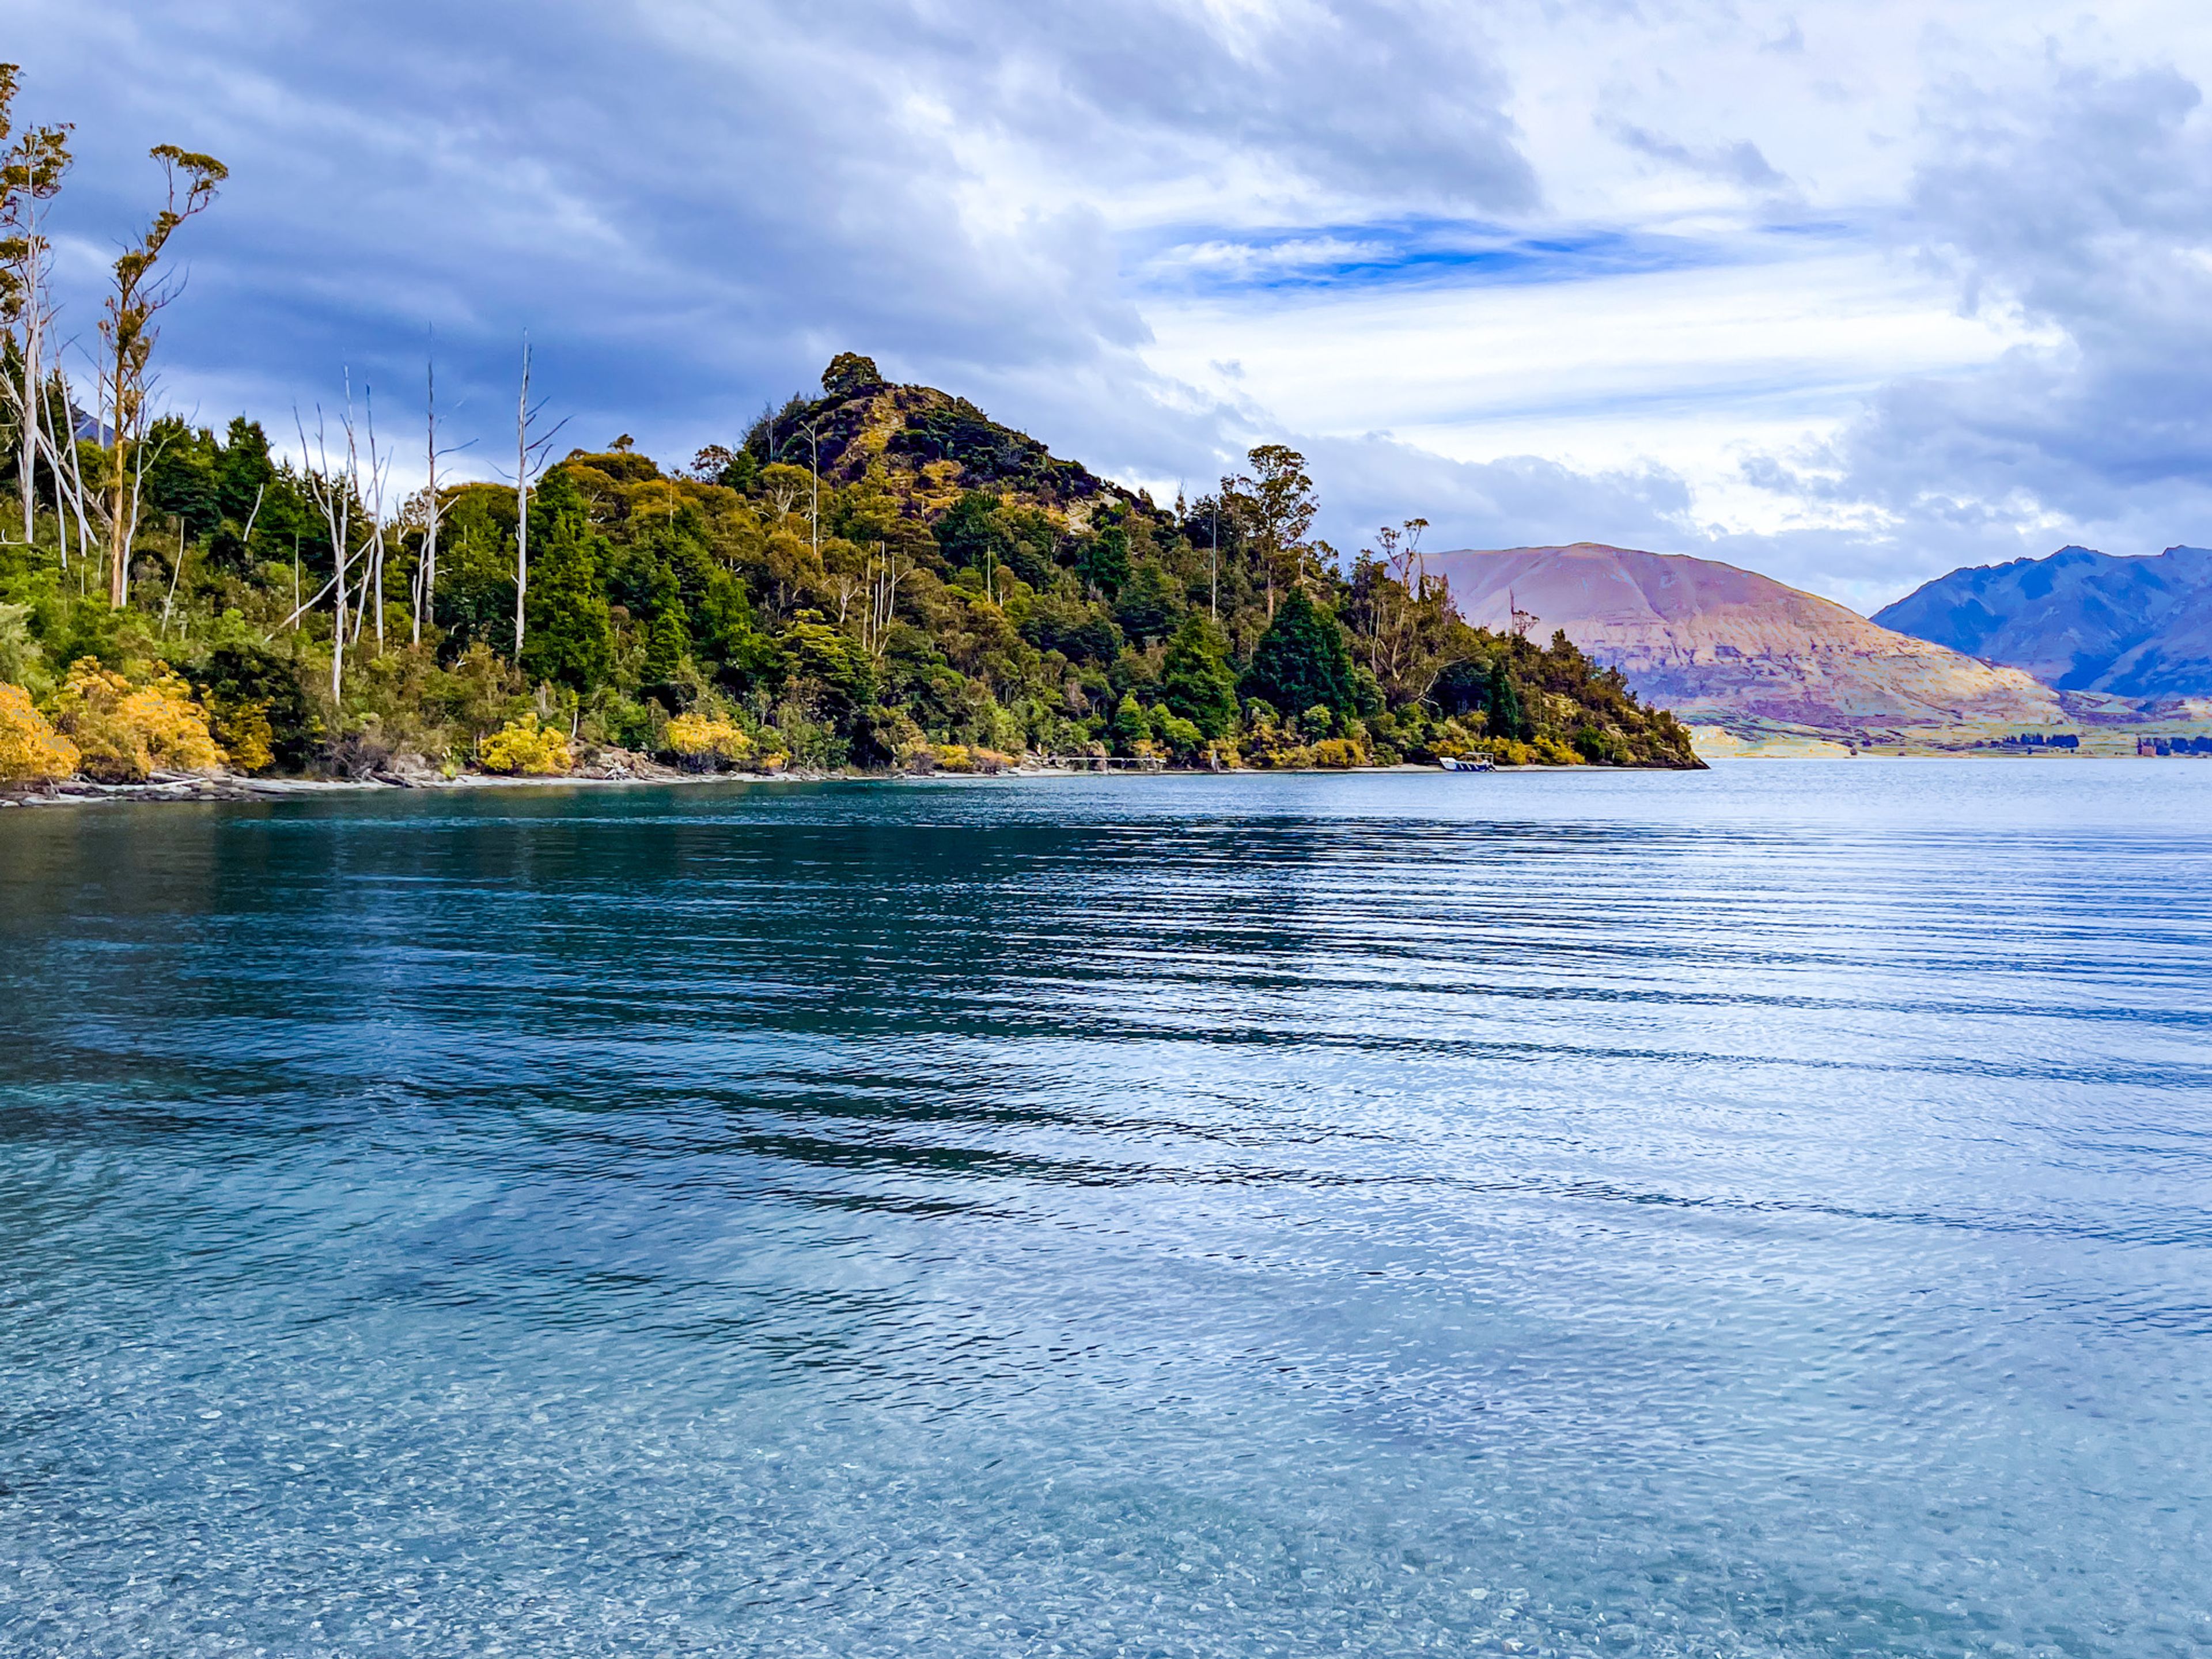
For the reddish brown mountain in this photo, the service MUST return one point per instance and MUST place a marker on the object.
(1730, 647)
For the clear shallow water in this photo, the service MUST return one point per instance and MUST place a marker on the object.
(1757, 1212)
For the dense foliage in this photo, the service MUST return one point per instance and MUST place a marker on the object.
(881, 576)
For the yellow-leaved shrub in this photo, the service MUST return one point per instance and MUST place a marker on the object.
(701, 744)
(30, 751)
(123, 732)
(524, 748)
(245, 735)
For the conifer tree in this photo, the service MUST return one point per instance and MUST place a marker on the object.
(1301, 660)
(1196, 681)
(1132, 724)
(571, 637)
(668, 637)
(1507, 716)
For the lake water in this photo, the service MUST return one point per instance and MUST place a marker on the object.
(1763, 1212)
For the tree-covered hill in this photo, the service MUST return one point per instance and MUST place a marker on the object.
(926, 446)
(938, 591)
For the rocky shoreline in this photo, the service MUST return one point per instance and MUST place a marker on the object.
(231, 787)
(237, 787)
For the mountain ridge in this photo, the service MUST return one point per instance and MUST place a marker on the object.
(1725, 645)
(2078, 619)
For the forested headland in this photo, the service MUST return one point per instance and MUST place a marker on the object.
(879, 576)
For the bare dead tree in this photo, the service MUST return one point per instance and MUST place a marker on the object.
(176, 570)
(127, 333)
(380, 469)
(31, 173)
(814, 512)
(883, 574)
(529, 449)
(781, 497)
(75, 501)
(521, 496)
(329, 493)
(426, 567)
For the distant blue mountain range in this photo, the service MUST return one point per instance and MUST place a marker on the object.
(2081, 620)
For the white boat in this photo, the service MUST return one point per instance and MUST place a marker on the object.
(1466, 763)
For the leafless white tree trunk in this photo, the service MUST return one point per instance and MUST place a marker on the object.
(28, 398)
(380, 469)
(884, 574)
(31, 175)
(70, 492)
(522, 497)
(814, 512)
(426, 568)
(332, 498)
(530, 451)
(31, 287)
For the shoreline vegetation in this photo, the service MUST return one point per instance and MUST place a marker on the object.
(749, 615)
(877, 578)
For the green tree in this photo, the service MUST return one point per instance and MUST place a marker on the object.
(1132, 724)
(1149, 603)
(1195, 681)
(1104, 560)
(1508, 717)
(725, 635)
(243, 469)
(180, 478)
(971, 534)
(249, 491)
(252, 675)
(668, 637)
(1179, 735)
(1301, 660)
(571, 638)
(835, 666)
(850, 375)
(1277, 503)
(474, 600)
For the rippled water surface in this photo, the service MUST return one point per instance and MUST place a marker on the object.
(1755, 1212)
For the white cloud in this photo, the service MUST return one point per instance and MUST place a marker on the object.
(1851, 294)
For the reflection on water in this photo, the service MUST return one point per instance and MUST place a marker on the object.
(1755, 1212)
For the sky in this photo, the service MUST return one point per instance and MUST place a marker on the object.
(1851, 295)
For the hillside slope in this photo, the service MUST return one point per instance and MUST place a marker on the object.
(925, 448)
(2082, 620)
(1729, 646)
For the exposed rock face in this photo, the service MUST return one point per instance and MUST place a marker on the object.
(2083, 621)
(1730, 647)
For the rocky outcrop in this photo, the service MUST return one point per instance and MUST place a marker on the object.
(1726, 646)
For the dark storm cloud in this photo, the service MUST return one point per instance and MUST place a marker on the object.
(690, 206)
